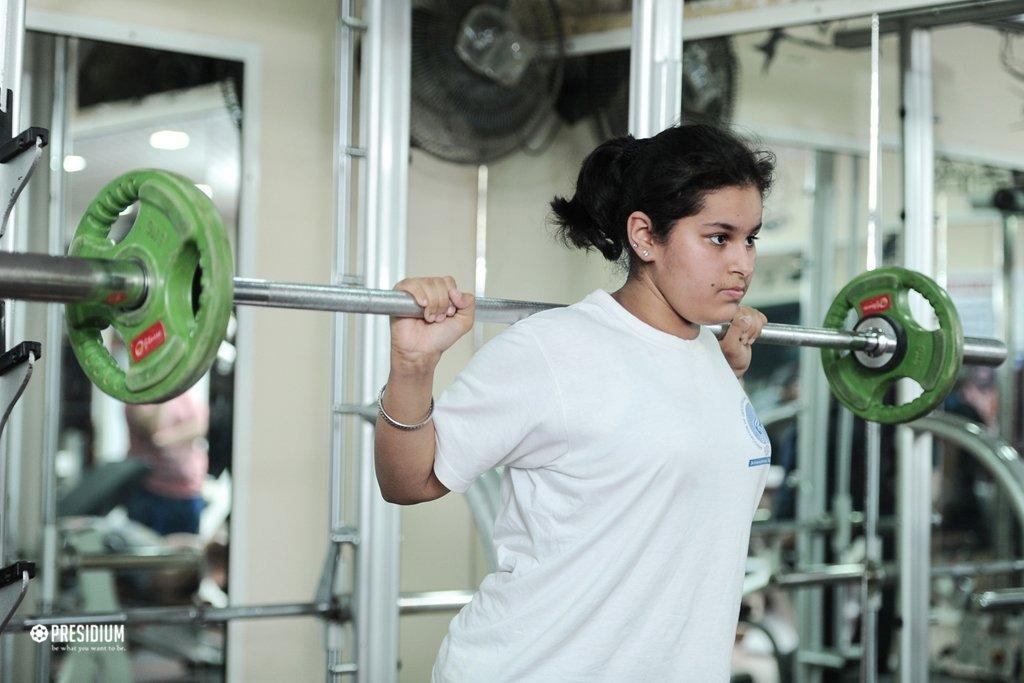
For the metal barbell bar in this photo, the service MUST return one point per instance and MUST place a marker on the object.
(66, 279)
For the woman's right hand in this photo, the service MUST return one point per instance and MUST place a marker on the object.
(448, 314)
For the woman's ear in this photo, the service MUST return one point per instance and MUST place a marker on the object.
(641, 237)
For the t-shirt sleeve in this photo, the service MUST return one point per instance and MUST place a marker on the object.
(504, 408)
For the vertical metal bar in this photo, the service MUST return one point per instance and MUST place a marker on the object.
(480, 274)
(842, 500)
(942, 239)
(812, 422)
(385, 119)
(1007, 328)
(12, 12)
(12, 34)
(54, 343)
(874, 254)
(656, 66)
(914, 454)
(479, 291)
(334, 633)
(869, 593)
(1005, 304)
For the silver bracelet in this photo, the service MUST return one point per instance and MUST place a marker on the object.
(395, 423)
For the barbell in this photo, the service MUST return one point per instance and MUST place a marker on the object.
(167, 288)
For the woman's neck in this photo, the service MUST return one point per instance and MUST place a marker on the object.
(642, 298)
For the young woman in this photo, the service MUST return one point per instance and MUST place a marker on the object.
(633, 460)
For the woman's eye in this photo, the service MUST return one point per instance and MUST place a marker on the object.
(752, 239)
(714, 239)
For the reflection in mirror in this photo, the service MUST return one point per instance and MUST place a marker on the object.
(143, 492)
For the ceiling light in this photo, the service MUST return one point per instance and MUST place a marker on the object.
(73, 163)
(169, 139)
(205, 189)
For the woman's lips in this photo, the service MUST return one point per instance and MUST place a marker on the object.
(734, 293)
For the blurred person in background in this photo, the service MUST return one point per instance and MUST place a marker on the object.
(171, 438)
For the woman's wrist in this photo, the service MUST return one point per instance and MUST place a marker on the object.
(412, 365)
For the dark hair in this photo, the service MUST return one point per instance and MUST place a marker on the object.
(666, 176)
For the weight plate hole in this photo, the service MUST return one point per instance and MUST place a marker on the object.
(197, 289)
(891, 395)
(919, 303)
(116, 346)
(123, 225)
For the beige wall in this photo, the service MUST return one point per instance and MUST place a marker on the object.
(283, 506)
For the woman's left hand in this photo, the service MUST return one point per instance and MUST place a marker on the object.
(743, 330)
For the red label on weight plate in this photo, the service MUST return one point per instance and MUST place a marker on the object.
(151, 339)
(876, 304)
(116, 298)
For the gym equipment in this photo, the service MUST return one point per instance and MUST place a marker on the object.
(174, 333)
(167, 289)
(932, 358)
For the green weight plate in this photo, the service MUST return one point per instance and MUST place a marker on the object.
(932, 357)
(173, 337)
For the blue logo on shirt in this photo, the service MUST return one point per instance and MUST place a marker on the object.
(757, 432)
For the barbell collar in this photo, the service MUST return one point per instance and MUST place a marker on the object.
(39, 277)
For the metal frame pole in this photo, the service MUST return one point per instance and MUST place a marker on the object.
(914, 453)
(12, 35)
(656, 66)
(842, 498)
(385, 120)
(870, 597)
(346, 151)
(54, 343)
(812, 422)
(1005, 307)
(1007, 320)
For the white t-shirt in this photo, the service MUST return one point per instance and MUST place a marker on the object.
(634, 463)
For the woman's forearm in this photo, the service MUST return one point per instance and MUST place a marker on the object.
(405, 459)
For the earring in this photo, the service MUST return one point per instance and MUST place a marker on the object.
(646, 253)
(635, 244)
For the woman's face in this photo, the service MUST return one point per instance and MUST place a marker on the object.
(705, 267)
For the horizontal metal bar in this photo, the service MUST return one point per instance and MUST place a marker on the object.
(184, 615)
(344, 668)
(1003, 599)
(845, 573)
(979, 568)
(162, 560)
(966, 11)
(823, 524)
(758, 18)
(371, 301)
(408, 603)
(35, 277)
(433, 601)
(41, 277)
(825, 659)
(839, 573)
